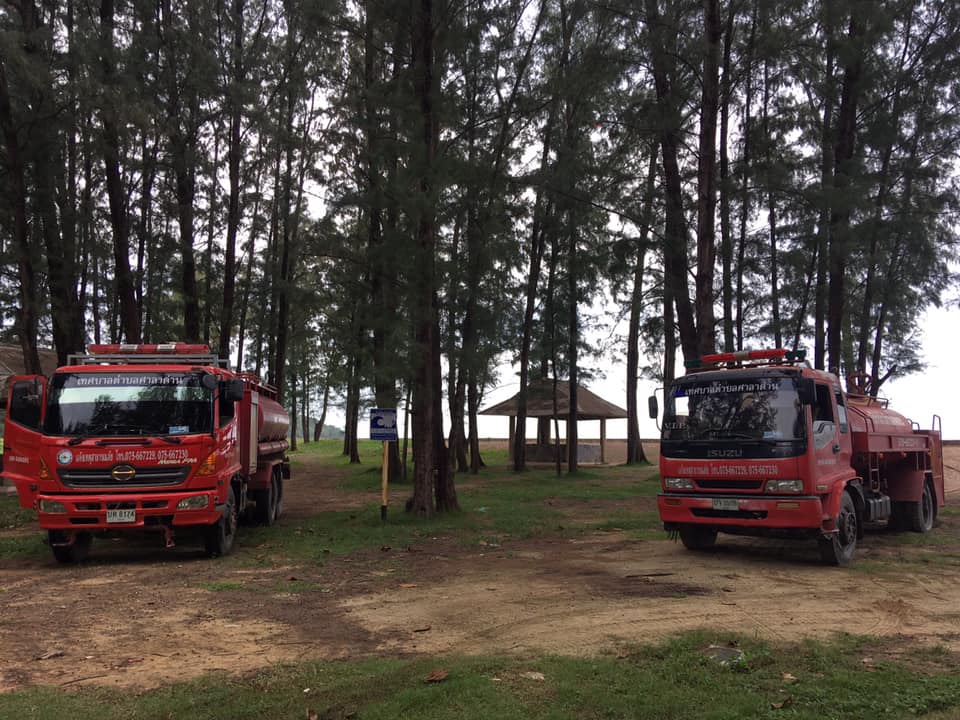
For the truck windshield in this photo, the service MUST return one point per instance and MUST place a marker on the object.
(141, 403)
(765, 408)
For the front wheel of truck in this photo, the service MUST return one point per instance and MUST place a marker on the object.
(72, 553)
(838, 547)
(697, 537)
(219, 537)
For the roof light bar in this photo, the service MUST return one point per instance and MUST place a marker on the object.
(772, 354)
(151, 349)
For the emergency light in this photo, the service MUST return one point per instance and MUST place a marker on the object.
(741, 355)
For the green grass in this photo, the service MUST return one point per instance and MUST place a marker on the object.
(495, 506)
(222, 586)
(22, 547)
(12, 515)
(849, 678)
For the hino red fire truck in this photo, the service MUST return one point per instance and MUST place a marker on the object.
(161, 438)
(759, 443)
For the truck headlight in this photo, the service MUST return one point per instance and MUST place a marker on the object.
(52, 506)
(784, 486)
(196, 502)
(675, 483)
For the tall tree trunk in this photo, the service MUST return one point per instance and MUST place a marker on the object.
(706, 178)
(318, 428)
(573, 330)
(826, 180)
(285, 270)
(634, 446)
(726, 240)
(234, 152)
(840, 212)
(431, 478)
(663, 31)
(745, 172)
(293, 410)
(537, 246)
(382, 270)
(27, 314)
(129, 316)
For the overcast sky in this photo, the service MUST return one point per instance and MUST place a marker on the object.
(918, 397)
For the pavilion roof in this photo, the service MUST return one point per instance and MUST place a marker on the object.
(540, 403)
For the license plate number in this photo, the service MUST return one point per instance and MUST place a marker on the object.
(726, 504)
(121, 516)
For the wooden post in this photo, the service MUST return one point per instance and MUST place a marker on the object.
(603, 441)
(385, 477)
(513, 423)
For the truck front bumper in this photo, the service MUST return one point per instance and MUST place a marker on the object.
(105, 511)
(747, 511)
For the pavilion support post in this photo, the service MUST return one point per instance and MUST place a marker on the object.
(513, 425)
(603, 441)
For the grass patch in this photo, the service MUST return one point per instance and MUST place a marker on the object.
(496, 505)
(672, 680)
(222, 586)
(12, 515)
(22, 547)
(639, 525)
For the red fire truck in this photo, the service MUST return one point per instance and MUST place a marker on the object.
(160, 438)
(759, 443)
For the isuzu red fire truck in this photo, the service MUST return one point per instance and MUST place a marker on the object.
(159, 438)
(759, 443)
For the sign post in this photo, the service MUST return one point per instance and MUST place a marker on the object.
(383, 426)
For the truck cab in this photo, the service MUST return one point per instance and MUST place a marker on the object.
(759, 443)
(139, 437)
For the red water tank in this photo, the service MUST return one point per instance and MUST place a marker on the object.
(273, 422)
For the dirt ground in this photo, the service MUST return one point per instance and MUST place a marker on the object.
(137, 616)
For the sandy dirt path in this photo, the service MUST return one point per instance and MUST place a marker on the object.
(138, 616)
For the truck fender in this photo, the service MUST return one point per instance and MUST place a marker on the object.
(831, 505)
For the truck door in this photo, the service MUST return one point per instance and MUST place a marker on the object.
(21, 442)
(831, 438)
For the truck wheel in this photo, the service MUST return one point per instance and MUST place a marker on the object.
(219, 537)
(838, 547)
(72, 554)
(697, 537)
(268, 502)
(920, 515)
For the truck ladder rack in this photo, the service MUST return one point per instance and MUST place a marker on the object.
(138, 359)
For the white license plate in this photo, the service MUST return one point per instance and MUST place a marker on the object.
(726, 504)
(121, 516)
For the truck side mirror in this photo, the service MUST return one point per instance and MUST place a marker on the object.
(26, 403)
(653, 406)
(807, 391)
(232, 390)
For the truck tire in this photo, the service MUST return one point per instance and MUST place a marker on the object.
(919, 516)
(219, 537)
(698, 537)
(268, 502)
(71, 554)
(838, 547)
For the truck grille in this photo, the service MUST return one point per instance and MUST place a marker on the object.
(730, 484)
(103, 478)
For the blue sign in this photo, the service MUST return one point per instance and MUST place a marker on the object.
(383, 424)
